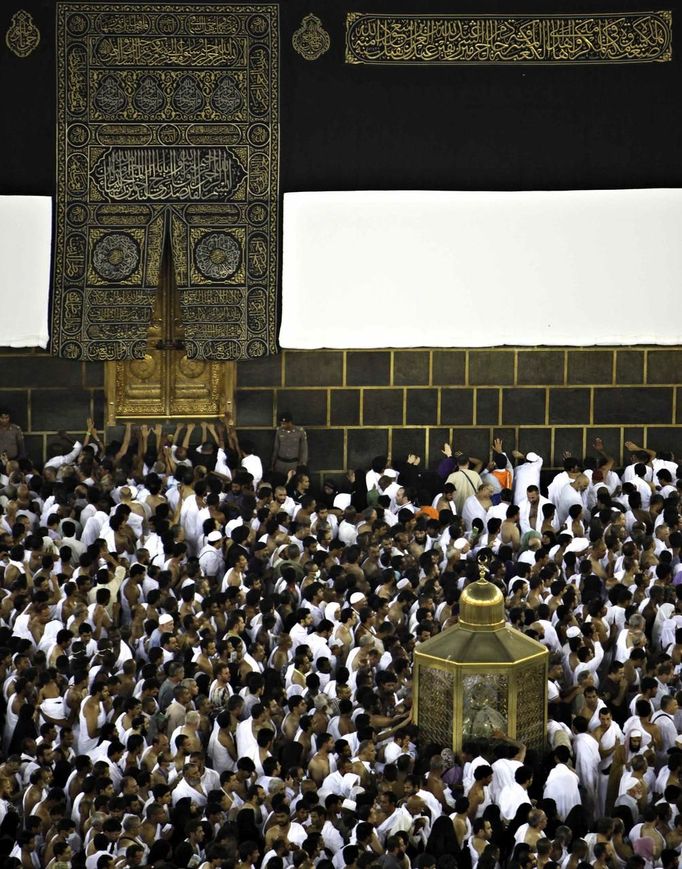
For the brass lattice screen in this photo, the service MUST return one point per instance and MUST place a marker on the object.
(436, 698)
(531, 706)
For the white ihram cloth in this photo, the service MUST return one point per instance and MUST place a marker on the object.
(347, 242)
(562, 787)
(25, 246)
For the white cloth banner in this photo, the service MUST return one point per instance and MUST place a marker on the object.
(442, 269)
(25, 250)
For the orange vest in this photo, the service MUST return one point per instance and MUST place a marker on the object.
(504, 478)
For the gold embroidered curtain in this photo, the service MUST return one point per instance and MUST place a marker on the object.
(167, 118)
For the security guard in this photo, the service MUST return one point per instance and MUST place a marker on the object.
(291, 446)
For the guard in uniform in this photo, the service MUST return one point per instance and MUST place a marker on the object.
(291, 446)
(11, 436)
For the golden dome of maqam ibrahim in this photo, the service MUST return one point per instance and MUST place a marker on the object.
(481, 606)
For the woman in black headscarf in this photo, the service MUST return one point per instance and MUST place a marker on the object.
(442, 838)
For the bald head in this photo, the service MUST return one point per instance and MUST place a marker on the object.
(415, 805)
(580, 483)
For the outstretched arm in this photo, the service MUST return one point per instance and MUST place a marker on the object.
(210, 429)
(21, 447)
(158, 434)
(168, 459)
(498, 450)
(447, 464)
(126, 441)
(610, 461)
(231, 435)
(142, 441)
(476, 464)
(632, 447)
(93, 435)
(221, 469)
(188, 435)
(67, 458)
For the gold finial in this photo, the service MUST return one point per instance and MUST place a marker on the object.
(481, 606)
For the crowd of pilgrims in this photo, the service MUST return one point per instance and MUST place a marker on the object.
(208, 664)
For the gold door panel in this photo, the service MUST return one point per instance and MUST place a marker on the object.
(165, 384)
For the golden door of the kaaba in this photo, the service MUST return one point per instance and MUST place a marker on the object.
(165, 384)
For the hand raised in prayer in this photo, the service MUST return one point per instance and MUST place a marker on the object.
(446, 449)
(497, 445)
(598, 444)
(567, 454)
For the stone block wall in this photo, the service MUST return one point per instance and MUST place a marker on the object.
(45, 395)
(356, 404)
